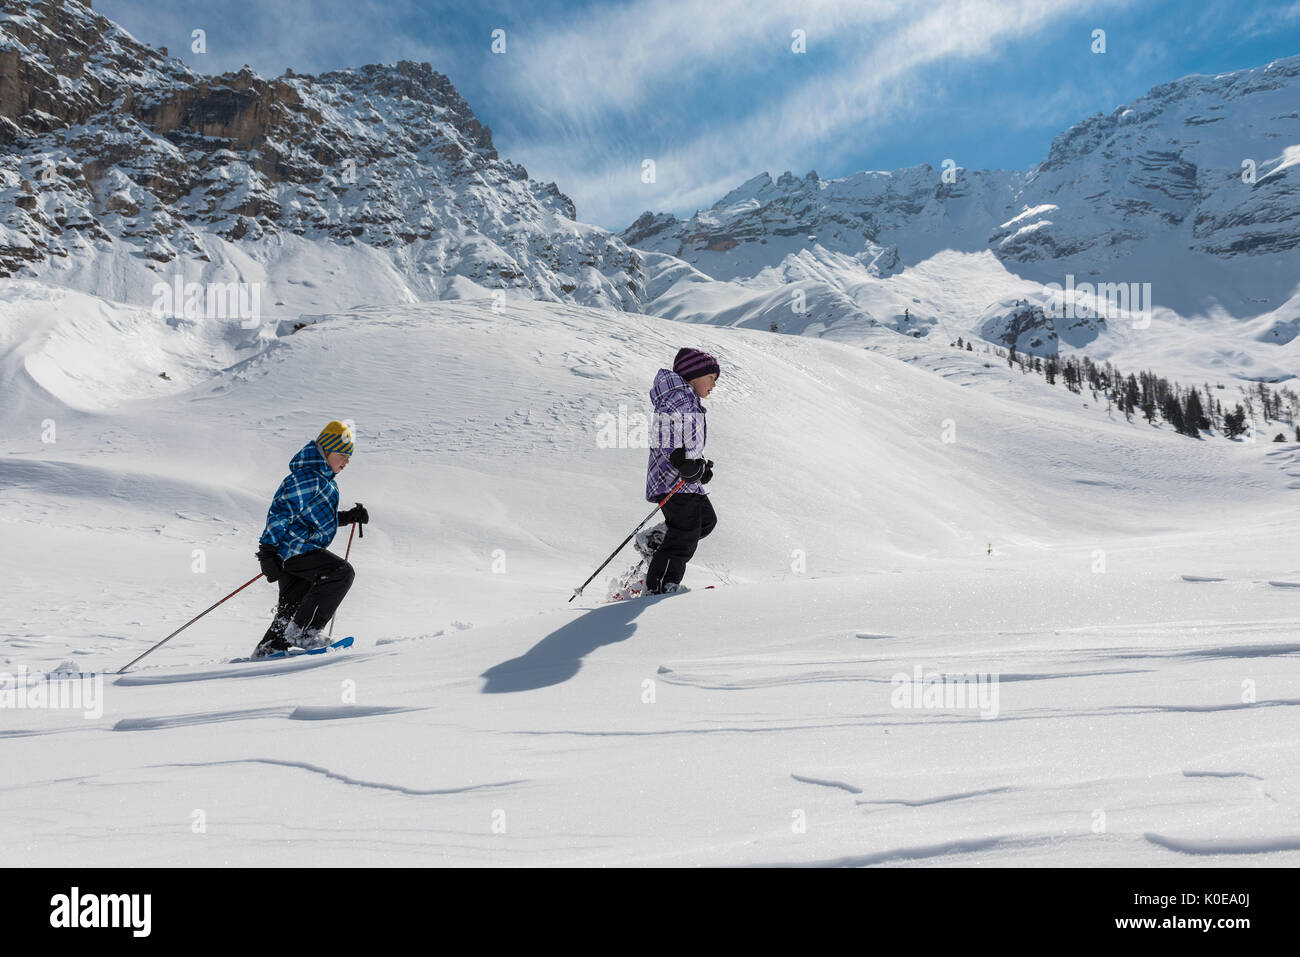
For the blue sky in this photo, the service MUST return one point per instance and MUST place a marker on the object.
(713, 92)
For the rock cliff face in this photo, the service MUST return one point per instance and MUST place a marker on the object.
(1210, 163)
(1026, 327)
(108, 141)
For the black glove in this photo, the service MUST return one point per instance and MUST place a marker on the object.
(708, 473)
(690, 469)
(269, 559)
(357, 513)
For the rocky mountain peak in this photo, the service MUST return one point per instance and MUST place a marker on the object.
(109, 140)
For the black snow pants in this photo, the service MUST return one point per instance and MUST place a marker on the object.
(689, 517)
(312, 586)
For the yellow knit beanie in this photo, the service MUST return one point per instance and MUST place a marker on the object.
(335, 437)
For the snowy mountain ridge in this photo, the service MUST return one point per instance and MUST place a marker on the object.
(122, 164)
(125, 168)
(1192, 189)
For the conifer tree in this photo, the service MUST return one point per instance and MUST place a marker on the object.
(1173, 413)
(1193, 415)
(1234, 423)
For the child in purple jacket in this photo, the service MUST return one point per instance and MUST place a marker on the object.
(677, 455)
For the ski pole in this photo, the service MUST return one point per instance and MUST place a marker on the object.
(578, 591)
(192, 621)
(345, 558)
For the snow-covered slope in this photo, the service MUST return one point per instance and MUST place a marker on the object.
(920, 310)
(875, 518)
(748, 725)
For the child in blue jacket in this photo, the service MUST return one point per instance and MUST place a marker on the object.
(301, 522)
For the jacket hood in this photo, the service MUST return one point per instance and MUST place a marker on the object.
(311, 459)
(666, 382)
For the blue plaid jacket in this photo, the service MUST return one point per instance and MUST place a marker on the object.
(304, 514)
(678, 423)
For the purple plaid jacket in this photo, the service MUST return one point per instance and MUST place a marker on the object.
(678, 423)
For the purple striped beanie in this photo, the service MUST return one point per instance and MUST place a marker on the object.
(692, 363)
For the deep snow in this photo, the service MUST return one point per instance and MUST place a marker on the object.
(1133, 589)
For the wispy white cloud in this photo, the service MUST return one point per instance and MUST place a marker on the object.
(583, 98)
(883, 72)
(1261, 21)
(623, 55)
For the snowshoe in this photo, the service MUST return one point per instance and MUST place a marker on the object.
(631, 584)
(269, 646)
(308, 639)
(648, 540)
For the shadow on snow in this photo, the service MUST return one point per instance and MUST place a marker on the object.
(558, 657)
